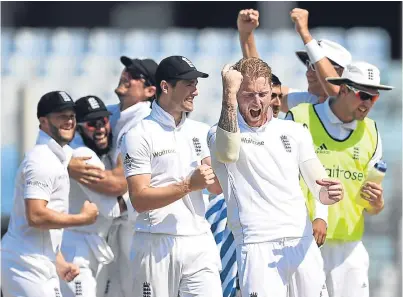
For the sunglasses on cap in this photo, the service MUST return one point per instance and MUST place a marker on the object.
(95, 124)
(136, 74)
(312, 65)
(363, 95)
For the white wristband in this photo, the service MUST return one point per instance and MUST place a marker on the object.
(315, 52)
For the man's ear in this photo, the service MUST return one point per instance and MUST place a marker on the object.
(164, 86)
(150, 91)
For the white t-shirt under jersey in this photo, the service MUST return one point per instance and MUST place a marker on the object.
(262, 191)
(169, 153)
(42, 175)
(296, 97)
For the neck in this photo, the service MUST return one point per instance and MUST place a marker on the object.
(177, 115)
(125, 103)
(337, 107)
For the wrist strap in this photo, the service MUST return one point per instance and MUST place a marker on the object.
(315, 52)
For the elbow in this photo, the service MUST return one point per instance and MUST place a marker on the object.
(34, 220)
(227, 157)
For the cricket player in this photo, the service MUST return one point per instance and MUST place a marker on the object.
(31, 259)
(276, 95)
(257, 159)
(167, 164)
(348, 143)
(323, 58)
(87, 246)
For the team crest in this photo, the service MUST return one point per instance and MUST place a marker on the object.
(286, 143)
(197, 145)
(146, 290)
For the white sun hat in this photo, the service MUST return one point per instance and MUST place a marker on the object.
(332, 50)
(360, 74)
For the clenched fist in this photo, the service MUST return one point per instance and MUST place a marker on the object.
(231, 79)
(248, 20)
(90, 212)
(331, 192)
(300, 18)
(201, 178)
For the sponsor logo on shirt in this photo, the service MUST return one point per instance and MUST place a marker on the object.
(251, 141)
(337, 172)
(163, 152)
(35, 183)
(129, 162)
(322, 149)
(197, 145)
(286, 143)
(146, 290)
(79, 288)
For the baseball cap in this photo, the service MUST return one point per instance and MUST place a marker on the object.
(90, 108)
(140, 68)
(360, 74)
(53, 102)
(336, 53)
(177, 67)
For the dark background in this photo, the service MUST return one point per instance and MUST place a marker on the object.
(210, 14)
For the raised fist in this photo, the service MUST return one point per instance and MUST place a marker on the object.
(248, 20)
(300, 18)
(90, 211)
(231, 79)
(201, 178)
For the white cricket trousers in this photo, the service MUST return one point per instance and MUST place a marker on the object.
(346, 267)
(171, 266)
(288, 267)
(28, 276)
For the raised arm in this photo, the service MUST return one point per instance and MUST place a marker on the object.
(323, 67)
(228, 137)
(248, 20)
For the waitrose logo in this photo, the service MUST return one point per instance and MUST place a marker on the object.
(337, 172)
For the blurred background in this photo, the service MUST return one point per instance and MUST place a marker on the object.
(75, 46)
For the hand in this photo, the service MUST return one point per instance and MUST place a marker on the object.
(67, 271)
(331, 192)
(201, 178)
(90, 212)
(248, 20)
(319, 227)
(231, 79)
(300, 18)
(373, 193)
(84, 173)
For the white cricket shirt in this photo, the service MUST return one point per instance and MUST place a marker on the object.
(107, 205)
(122, 121)
(42, 175)
(169, 153)
(296, 97)
(262, 191)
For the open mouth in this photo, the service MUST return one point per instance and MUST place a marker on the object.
(362, 109)
(255, 113)
(100, 137)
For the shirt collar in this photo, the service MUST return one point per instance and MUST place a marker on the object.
(334, 119)
(242, 123)
(165, 118)
(127, 114)
(62, 153)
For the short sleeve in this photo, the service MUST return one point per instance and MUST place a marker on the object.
(38, 181)
(211, 137)
(136, 154)
(296, 98)
(306, 149)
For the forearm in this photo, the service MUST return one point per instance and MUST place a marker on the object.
(375, 210)
(228, 138)
(313, 170)
(114, 184)
(325, 69)
(248, 45)
(153, 198)
(47, 218)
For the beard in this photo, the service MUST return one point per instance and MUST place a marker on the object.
(57, 136)
(92, 145)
